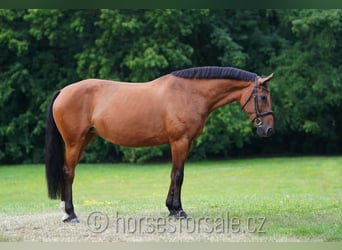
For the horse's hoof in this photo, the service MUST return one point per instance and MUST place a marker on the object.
(179, 214)
(73, 220)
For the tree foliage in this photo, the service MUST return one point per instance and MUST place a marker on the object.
(44, 50)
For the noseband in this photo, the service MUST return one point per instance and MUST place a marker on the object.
(258, 114)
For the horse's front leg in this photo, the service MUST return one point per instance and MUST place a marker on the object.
(173, 201)
(180, 150)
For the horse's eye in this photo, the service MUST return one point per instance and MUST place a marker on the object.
(263, 98)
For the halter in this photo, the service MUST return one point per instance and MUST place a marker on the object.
(254, 93)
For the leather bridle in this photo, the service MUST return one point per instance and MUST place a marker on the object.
(255, 95)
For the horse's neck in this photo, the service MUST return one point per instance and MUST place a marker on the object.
(219, 92)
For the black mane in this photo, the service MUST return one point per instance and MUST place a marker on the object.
(214, 72)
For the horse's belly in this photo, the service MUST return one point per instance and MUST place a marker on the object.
(132, 116)
(131, 133)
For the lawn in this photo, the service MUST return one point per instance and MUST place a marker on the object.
(273, 199)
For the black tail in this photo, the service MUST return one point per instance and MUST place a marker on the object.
(54, 154)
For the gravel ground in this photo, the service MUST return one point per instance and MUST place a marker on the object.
(49, 228)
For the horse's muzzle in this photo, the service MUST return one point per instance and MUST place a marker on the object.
(264, 131)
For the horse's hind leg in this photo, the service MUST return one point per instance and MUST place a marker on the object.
(73, 152)
(71, 160)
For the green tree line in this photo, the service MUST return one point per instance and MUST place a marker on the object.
(45, 50)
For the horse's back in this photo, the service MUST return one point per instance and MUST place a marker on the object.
(98, 94)
(129, 114)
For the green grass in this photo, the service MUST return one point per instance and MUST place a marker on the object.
(300, 197)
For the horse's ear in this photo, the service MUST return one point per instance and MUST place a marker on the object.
(266, 79)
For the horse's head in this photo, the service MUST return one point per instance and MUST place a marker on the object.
(257, 105)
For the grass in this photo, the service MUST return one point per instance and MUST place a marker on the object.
(299, 197)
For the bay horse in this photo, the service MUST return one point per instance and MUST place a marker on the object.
(171, 109)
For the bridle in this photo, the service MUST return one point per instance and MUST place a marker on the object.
(258, 114)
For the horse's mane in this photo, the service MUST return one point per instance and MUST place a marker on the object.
(214, 72)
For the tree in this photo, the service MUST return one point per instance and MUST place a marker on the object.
(307, 85)
(45, 50)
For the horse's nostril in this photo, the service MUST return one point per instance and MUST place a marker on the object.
(269, 132)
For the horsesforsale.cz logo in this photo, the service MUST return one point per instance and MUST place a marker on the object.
(98, 222)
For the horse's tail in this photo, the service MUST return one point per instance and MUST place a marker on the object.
(54, 154)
